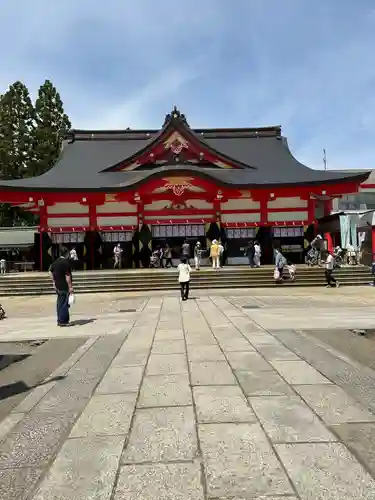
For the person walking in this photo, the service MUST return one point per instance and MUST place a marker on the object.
(117, 252)
(168, 256)
(184, 271)
(257, 254)
(214, 254)
(61, 274)
(3, 266)
(331, 281)
(221, 254)
(280, 262)
(250, 252)
(73, 257)
(185, 251)
(198, 255)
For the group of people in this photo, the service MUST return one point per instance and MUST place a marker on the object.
(162, 257)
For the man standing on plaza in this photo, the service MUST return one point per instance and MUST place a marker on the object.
(61, 274)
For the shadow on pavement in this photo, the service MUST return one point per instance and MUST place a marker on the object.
(7, 391)
(81, 322)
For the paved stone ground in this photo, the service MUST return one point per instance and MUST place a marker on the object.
(226, 396)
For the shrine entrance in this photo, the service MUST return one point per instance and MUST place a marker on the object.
(174, 235)
(109, 240)
(69, 240)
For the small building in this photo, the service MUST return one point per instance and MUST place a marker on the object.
(17, 247)
(146, 188)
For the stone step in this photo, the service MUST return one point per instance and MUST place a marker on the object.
(157, 277)
(206, 281)
(146, 280)
(175, 286)
(158, 273)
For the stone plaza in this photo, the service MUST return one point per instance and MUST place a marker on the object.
(232, 395)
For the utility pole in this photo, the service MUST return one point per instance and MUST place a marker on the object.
(325, 159)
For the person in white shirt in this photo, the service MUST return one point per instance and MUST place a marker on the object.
(73, 254)
(184, 271)
(331, 281)
(257, 254)
(3, 266)
(117, 251)
(291, 270)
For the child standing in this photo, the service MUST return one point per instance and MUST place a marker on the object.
(291, 270)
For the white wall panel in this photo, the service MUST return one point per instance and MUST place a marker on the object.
(156, 205)
(295, 202)
(116, 207)
(287, 216)
(117, 221)
(200, 204)
(68, 222)
(236, 217)
(67, 208)
(240, 204)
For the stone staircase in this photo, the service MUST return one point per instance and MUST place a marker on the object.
(166, 279)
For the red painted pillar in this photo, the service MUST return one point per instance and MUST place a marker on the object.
(42, 228)
(327, 207)
(263, 211)
(217, 212)
(93, 227)
(41, 249)
(328, 238)
(311, 211)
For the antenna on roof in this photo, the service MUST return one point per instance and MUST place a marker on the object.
(325, 159)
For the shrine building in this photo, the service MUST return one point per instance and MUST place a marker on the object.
(145, 188)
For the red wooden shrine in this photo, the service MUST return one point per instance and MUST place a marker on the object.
(233, 184)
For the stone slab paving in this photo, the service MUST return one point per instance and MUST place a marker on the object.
(194, 401)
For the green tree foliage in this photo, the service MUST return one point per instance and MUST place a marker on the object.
(16, 131)
(16, 145)
(52, 125)
(30, 139)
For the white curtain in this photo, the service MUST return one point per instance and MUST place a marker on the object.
(345, 231)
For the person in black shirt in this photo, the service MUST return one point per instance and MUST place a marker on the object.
(61, 274)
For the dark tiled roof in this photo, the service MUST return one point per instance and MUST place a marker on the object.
(82, 161)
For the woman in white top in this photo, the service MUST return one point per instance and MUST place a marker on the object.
(184, 278)
(257, 254)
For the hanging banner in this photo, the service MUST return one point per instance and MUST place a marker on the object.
(61, 238)
(116, 237)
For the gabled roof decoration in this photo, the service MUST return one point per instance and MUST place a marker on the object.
(178, 144)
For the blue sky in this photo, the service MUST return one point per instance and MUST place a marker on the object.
(309, 66)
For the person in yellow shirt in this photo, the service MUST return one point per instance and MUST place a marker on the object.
(215, 254)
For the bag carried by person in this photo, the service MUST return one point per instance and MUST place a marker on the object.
(71, 299)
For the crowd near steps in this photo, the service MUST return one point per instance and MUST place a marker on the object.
(38, 283)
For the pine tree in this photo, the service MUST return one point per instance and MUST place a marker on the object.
(16, 142)
(16, 131)
(52, 125)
